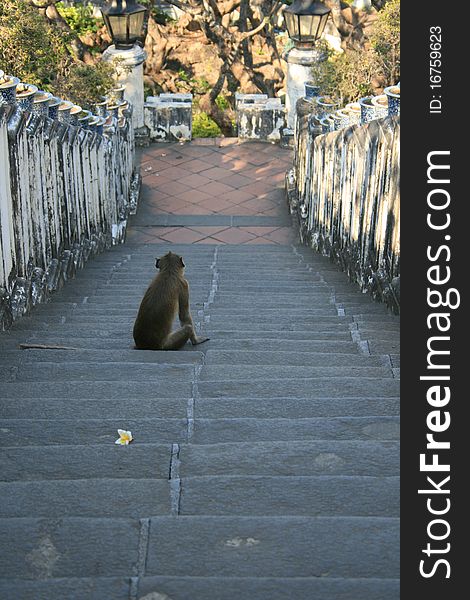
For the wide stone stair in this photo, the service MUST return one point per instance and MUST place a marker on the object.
(264, 464)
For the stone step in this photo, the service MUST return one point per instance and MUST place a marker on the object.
(76, 327)
(107, 315)
(364, 316)
(125, 408)
(126, 356)
(237, 340)
(308, 324)
(69, 547)
(137, 408)
(262, 588)
(136, 461)
(114, 371)
(288, 358)
(379, 346)
(368, 307)
(213, 431)
(98, 389)
(234, 371)
(322, 457)
(86, 431)
(295, 341)
(321, 495)
(359, 547)
(234, 302)
(73, 588)
(199, 275)
(335, 387)
(135, 498)
(381, 331)
(320, 308)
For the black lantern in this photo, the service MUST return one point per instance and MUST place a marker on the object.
(305, 21)
(125, 22)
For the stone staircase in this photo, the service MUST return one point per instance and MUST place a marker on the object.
(264, 464)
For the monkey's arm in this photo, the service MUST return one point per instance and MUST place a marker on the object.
(185, 314)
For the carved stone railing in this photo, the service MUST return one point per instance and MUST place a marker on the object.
(65, 195)
(344, 187)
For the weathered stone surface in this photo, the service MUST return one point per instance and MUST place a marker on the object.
(285, 358)
(291, 495)
(115, 371)
(97, 389)
(91, 588)
(28, 432)
(143, 461)
(300, 388)
(222, 372)
(125, 356)
(274, 546)
(211, 431)
(337, 457)
(69, 547)
(292, 407)
(84, 498)
(261, 119)
(168, 117)
(50, 170)
(264, 588)
(130, 407)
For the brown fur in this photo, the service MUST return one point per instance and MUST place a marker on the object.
(167, 295)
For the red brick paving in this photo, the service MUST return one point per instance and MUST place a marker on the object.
(208, 178)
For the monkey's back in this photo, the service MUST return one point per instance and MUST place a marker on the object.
(157, 312)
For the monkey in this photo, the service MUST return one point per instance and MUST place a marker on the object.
(166, 295)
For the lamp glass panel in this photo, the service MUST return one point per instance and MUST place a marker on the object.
(309, 26)
(291, 24)
(136, 24)
(321, 25)
(119, 27)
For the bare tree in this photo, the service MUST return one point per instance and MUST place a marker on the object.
(230, 26)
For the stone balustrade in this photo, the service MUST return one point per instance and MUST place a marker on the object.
(344, 187)
(168, 117)
(66, 191)
(259, 118)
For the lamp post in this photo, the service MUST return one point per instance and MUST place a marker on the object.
(305, 21)
(125, 21)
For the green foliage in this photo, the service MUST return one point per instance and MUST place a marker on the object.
(355, 73)
(204, 126)
(38, 52)
(183, 76)
(84, 84)
(196, 85)
(79, 17)
(158, 15)
(29, 47)
(385, 40)
(222, 102)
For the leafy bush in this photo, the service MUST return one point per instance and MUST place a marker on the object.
(30, 48)
(38, 52)
(357, 73)
(385, 40)
(79, 17)
(84, 84)
(222, 102)
(204, 126)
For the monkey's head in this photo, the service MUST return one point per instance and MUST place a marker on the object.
(171, 262)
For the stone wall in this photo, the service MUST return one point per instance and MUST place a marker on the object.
(65, 194)
(259, 118)
(344, 187)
